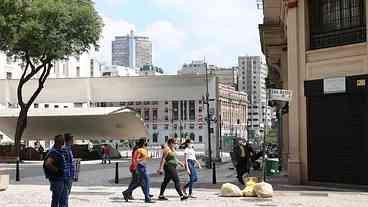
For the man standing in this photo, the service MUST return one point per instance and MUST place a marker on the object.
(69, 169)
(54, 170)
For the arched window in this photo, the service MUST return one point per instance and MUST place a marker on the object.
(192, 136)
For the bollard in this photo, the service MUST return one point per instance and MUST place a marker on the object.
(17, 177)
(117, 173)
(214, 173)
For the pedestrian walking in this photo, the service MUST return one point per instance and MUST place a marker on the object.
(190, 161)
(168, 164)
(103, 161)
(54, 166)
(244, 153)
(139, 172)
(69, 170)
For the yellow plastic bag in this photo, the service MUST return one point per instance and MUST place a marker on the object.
(250, 183)
(230, 190)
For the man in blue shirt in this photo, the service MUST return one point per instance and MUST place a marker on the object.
(69, 169)
(54, 169)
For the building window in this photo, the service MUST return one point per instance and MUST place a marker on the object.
(200, 139)
(35, 105)
(192, 136)
(166, 126)
(154, 114)
(154, 126)
(166, 110)
(192, 112)
(175, 126)
(166, 102)
(200, 109)
(191, 126)
(9, 75)
(130, 103)
(56, 106)
(138, 103)
(92, 68)
(337, 22)
(175, 110)
(155, 137)
(122, 103)
(47, 106)
(77, 71)
(78, 105)
(146, 103)
(146, 115)
(166, 118)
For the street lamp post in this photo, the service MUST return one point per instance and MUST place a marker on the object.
(207, 101)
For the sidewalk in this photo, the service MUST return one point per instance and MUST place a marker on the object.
(35, 195)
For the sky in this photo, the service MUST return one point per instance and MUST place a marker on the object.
(184, 30)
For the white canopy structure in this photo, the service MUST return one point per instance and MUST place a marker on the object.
(83, 123)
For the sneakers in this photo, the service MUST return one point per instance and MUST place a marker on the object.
(183, 198)
(162, 198)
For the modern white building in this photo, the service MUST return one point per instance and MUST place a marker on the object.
(198, 67)
(171, 106)
(252, 74)
(115, 70)
(132, 51)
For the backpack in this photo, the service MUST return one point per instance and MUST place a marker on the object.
(49, 173)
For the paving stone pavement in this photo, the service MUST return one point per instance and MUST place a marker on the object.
(39, 195)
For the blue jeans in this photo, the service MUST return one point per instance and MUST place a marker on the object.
(58, 193)
(67, 189)
(140, 179)
(192, 177)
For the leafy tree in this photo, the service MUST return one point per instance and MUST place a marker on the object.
(39, 32)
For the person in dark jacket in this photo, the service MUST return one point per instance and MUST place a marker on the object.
(54, 170)
(243, 153)
(69, 170)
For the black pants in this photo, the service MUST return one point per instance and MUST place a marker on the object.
(171, 174)
(243, 166)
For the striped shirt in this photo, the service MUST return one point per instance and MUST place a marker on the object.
(69, 169)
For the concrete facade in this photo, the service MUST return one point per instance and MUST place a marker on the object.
(285, 36)
(169, 105)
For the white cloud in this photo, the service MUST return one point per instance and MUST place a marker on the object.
(111, 29)
(165, 35)
(223, 29)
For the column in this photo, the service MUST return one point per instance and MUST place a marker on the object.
(294, 172)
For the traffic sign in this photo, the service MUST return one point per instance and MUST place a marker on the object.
(279, 95)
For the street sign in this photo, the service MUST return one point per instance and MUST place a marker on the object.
(279, 95)
(334, 85)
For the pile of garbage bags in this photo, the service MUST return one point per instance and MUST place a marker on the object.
(252, 189)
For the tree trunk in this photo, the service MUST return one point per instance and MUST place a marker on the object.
(21, 126)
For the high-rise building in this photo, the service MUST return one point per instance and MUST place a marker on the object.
(252, 80)
(198, 67)
(132, 51)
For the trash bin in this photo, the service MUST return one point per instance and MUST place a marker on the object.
(272, 167)
(77, 169)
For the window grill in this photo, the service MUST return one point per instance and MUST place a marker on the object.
(337, 22)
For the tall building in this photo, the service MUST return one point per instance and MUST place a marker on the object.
(252, 75)
(132, 51)
(198, 67)
(318, 50)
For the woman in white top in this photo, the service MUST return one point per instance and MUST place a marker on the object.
(190, 162)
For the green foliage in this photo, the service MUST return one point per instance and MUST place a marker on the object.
(48, 29)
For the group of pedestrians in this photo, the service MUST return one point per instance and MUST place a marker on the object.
(168, 166)
(59, 169)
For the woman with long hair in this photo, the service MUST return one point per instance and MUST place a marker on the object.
(190, 161)
(168, 164)
(138, 169)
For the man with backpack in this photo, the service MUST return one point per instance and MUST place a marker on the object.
(54, 166)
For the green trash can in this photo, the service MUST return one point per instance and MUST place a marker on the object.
(272, 167)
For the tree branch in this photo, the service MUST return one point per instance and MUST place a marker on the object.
(41, 82)
(20, 86)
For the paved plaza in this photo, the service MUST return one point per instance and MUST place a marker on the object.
(39, 195)
(96, 187)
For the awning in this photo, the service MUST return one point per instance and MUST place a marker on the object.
(83, 123)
